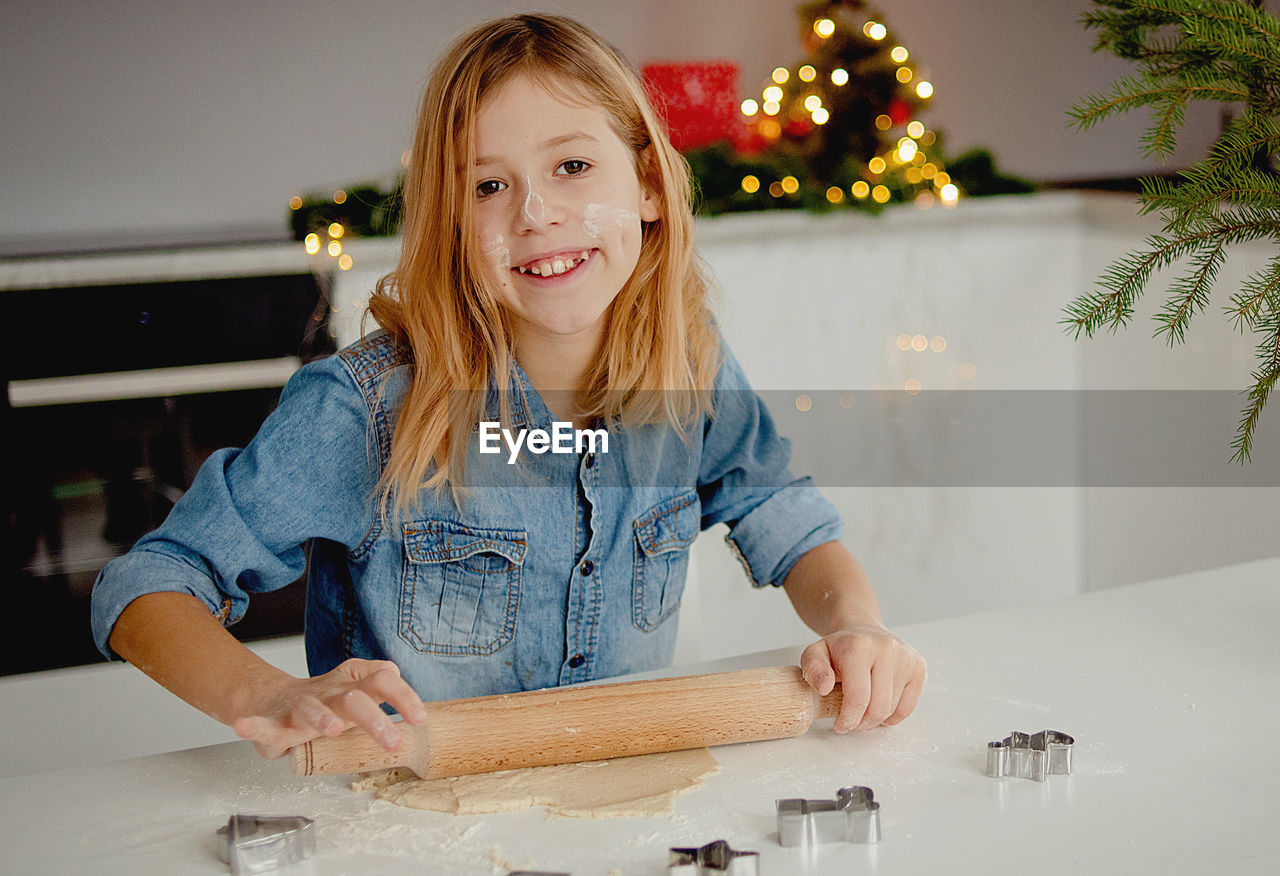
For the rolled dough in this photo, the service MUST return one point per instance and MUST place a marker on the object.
(644, 785)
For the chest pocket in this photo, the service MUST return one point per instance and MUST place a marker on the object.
(461, 587)
(662, 538)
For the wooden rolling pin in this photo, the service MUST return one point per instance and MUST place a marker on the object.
(595, 722)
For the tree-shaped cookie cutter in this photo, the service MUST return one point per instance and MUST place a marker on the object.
(262, 843)
(1030, 755)
(713, 859)
(852, 817)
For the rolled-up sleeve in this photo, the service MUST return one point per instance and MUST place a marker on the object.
(744, 480)
(309, 472)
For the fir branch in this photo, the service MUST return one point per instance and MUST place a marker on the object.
(1248, 305)
(1190, 294)
(1264, 380)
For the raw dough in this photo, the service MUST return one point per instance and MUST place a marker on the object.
(644, 785)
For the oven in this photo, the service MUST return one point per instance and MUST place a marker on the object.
(123, 372)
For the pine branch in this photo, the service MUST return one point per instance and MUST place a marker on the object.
(1250, 303)
(1264, 380)
(1190, 294)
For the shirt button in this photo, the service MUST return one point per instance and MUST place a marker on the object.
(591, 460)
(576, 660)
(587, 568)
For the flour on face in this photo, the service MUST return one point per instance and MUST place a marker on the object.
(533, 201)
(596, 218)
(498, 253)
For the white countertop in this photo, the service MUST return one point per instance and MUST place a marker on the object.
(1169, 688)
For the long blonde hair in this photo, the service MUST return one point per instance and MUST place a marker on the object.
(661, 348)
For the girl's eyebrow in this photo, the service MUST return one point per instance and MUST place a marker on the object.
(553, 143)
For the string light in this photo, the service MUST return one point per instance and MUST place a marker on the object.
(335, 248)
(840, 76)
(775, 189)
(906, 149)
(804, 403)
(912, 386)
(904, 75)
(924, 89)
(312, 243)
(781, 75)
(336, 230)
(919, 343)
(860, 189)
(835, 194)
(937, 343)
(772, 94)
(750, 107)
(898, 53)
(790, 185)
(824, 27)
(772, 107)
(812, 102)
(771, 129)
(915, 129)
(750, 184)
(904, 342)
(295, 203)
(807, 73)
(344, 262)
(880, 194)
(875, 30)
(876, 165)
(339, 197)
(821, 116)
(883, 122)
(949, 194)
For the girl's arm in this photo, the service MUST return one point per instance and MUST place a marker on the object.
(881, 675)
(173, 638)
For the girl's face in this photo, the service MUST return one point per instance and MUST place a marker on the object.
(558, 210)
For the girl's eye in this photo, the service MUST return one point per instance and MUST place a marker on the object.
(490, 187)
(574, 166)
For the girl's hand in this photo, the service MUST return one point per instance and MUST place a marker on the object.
(301, 709)
(881, 675)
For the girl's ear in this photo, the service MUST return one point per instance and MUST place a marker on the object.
(649, 198)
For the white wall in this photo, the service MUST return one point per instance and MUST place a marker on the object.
(147, 118)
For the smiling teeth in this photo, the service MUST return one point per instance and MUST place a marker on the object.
(552, 267)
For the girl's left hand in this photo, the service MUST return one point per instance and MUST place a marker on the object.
(881, 675)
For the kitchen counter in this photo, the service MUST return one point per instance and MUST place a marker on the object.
(1168, 686)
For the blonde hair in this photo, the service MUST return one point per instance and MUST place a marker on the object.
(661, 348)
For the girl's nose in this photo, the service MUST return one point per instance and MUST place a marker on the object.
(536, 211)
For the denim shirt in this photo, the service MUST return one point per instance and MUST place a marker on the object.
(559, 569)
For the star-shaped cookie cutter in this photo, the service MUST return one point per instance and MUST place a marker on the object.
(1030, 755)
(852, 817)
(713, 859)
(262, 843)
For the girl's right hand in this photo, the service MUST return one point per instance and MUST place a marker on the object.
(301, 709)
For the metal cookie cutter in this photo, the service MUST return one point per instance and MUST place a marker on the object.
(713, 859)
(261, 843)
(1030, 755)
(853, 817)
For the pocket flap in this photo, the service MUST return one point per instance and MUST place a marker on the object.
(671, 525)
(443, 541)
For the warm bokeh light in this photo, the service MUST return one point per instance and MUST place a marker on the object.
(344, 262)
(335, 248)
(750, 184)
(904, 74)
(937, 343)
(876, 165)
(914, 176)
(968, 371)
(295, 203)
(840, 76)
(750, 107)
(912, 386)
(904, 342)
(775, 189)
(312, 243)
(919, 343)
(824, 27)
(790, 185)
(771, 107)
(875, 30)
(915, 129)
(821, 116)
(781, 75)
(880, 194)
(339, 197)
(835, 194)
(812, 102)
(847, 400)
(906, 149)
(924, 89)
(860, 189)
(949, 194)
(807, 73)
(772, 94)
(771, 129)
(336, 230)
(941, 178)
(883, 122)
(804, 403)
(898, 53)
(929, 171)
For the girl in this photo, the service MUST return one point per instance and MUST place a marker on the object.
(547, 281)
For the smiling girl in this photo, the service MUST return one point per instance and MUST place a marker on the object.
(547, 276)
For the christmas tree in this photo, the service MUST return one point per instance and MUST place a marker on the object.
(1225, 51)
(841, 127)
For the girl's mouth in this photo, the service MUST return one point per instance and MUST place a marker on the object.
(557, 266)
